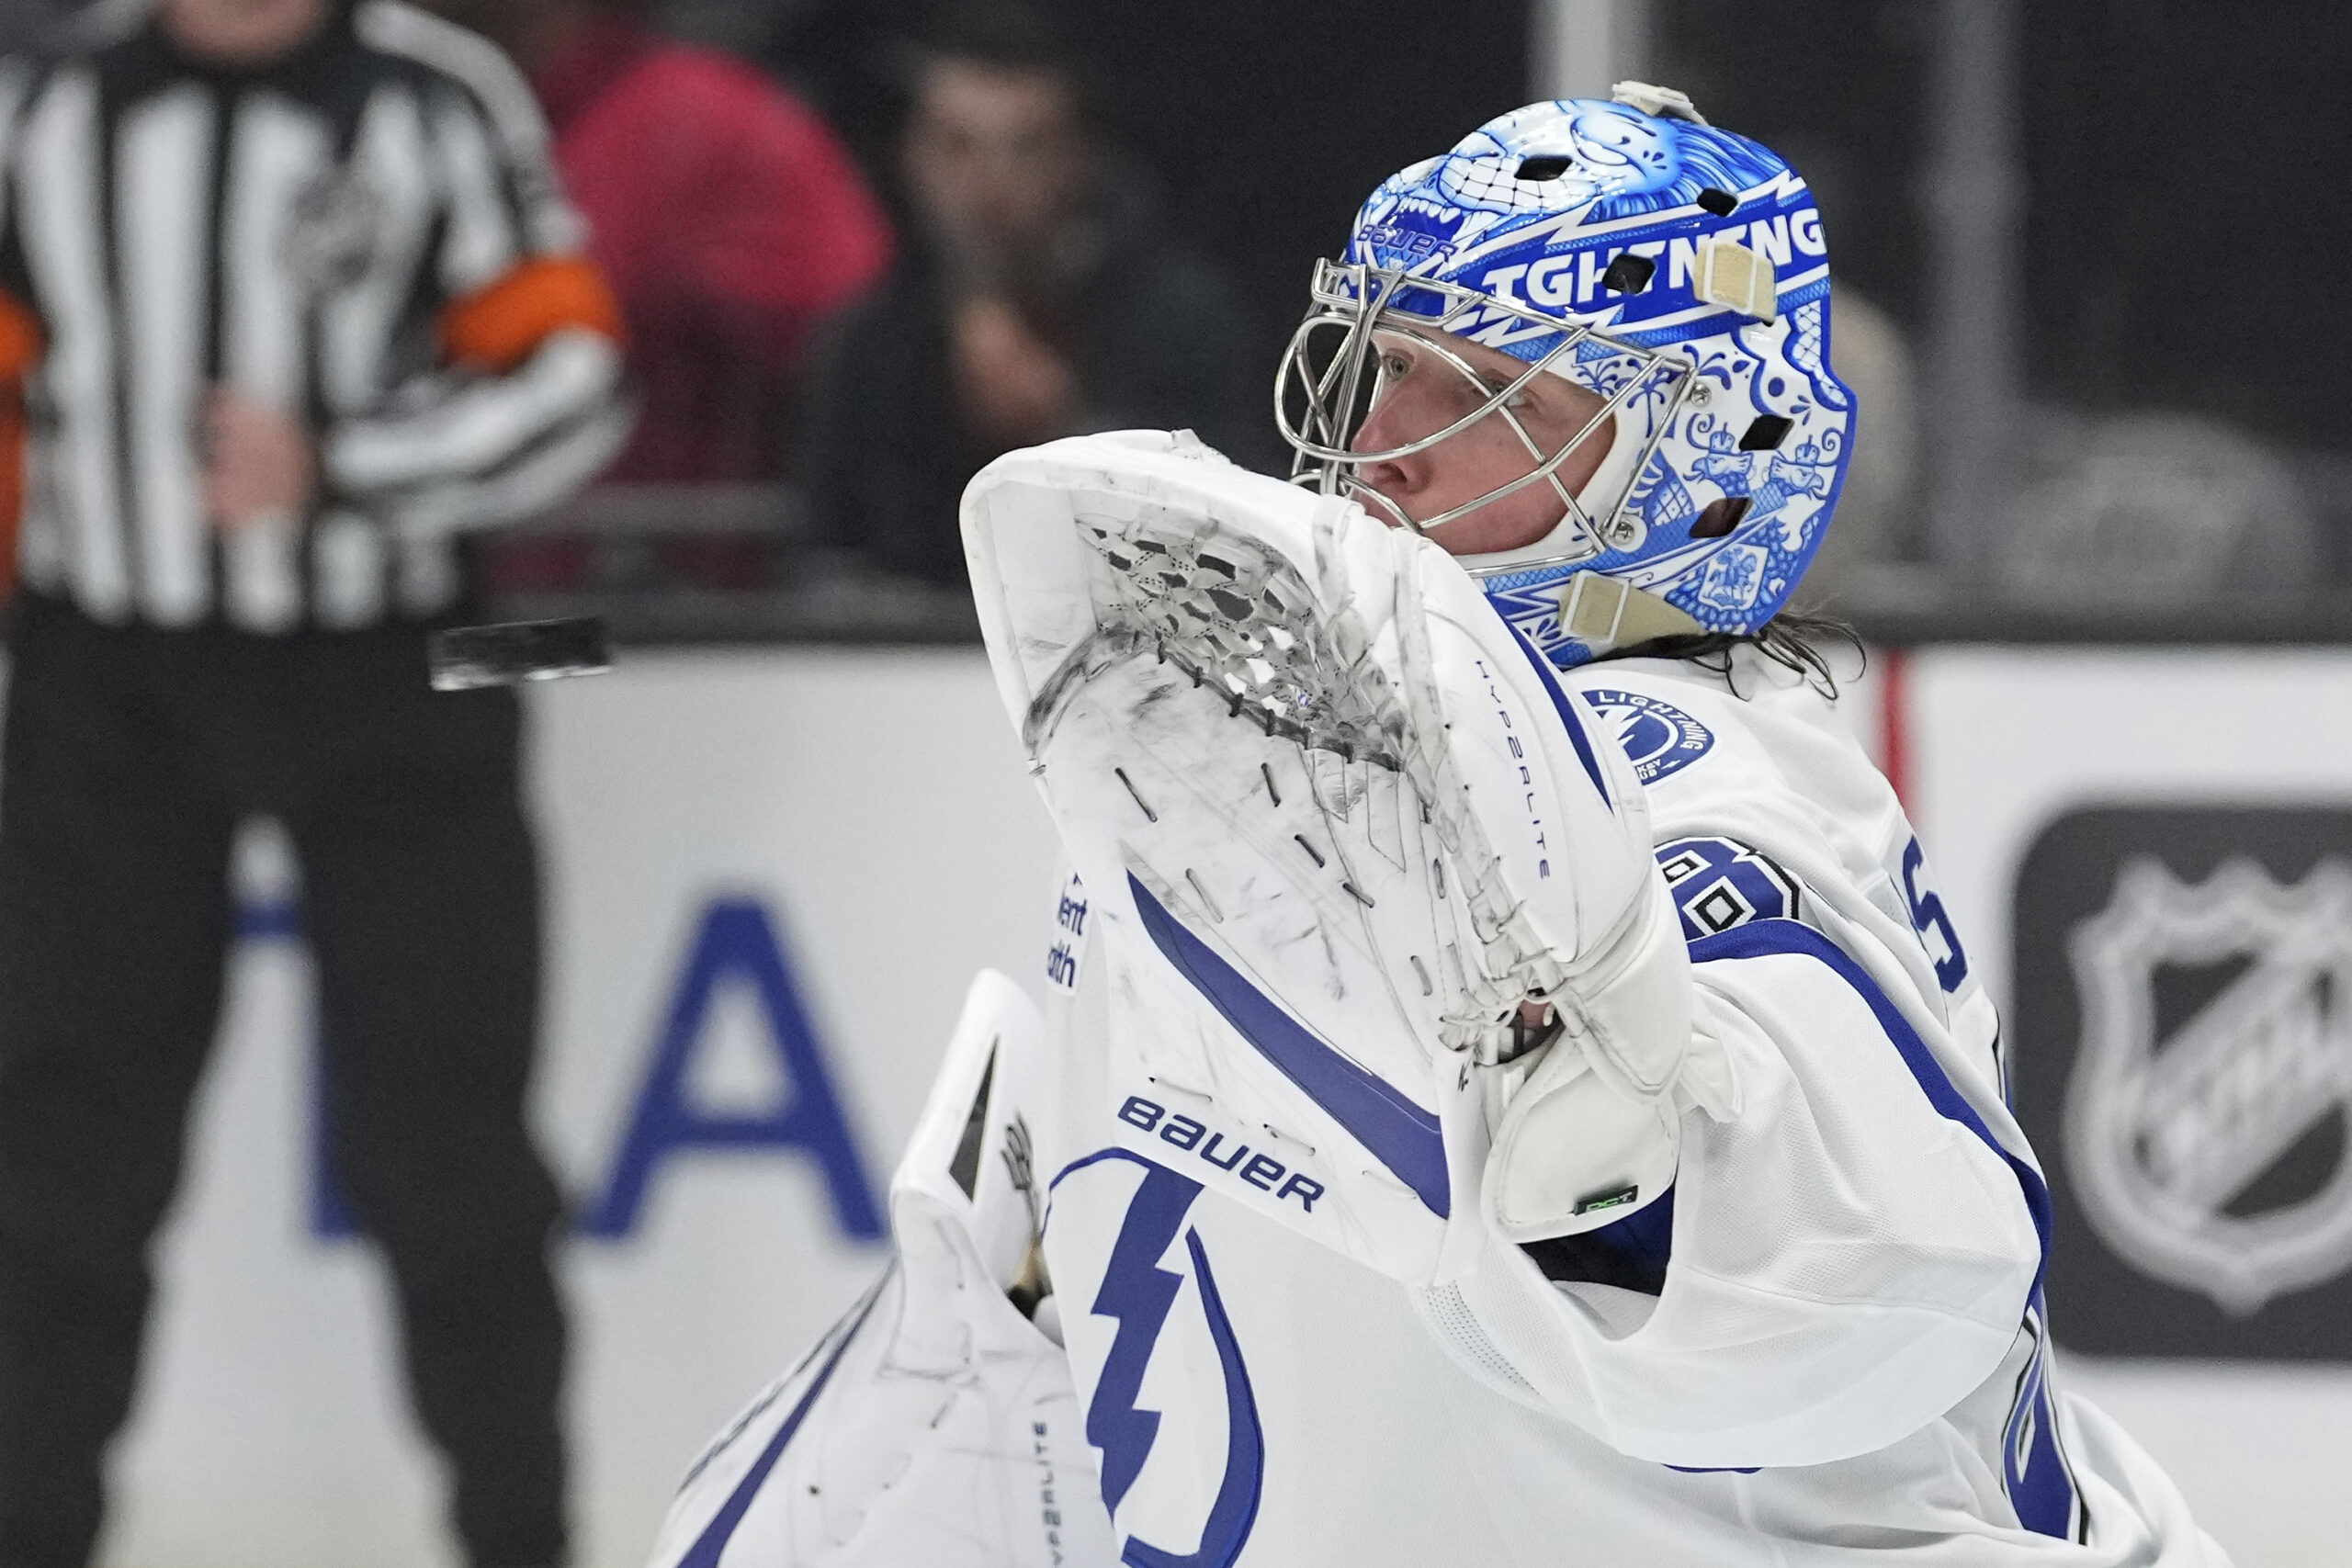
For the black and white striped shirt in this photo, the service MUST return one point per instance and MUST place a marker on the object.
(302, 234)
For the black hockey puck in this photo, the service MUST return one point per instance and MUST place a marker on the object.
(465, 658)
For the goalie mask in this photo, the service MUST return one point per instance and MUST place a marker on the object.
(1675, 271)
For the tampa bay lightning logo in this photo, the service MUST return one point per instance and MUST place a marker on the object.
(1180, 1344)
(1657, 738)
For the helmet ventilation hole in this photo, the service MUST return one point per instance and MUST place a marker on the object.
(1719, 518)
(1766, 433)
(1629, 274)
(1544, 166)
(1719, 202)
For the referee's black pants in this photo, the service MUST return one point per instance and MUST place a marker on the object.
(129, 757)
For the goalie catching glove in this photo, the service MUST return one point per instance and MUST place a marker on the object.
(1371, 898)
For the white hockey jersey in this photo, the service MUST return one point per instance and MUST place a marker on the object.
(1827, 1346)
(1829, 1342)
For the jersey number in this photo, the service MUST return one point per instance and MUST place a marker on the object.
(1926, 915)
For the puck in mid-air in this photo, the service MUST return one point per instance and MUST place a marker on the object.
(465, 658)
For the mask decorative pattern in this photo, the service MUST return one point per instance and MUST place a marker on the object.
(1720, 390)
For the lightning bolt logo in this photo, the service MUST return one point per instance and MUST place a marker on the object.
(1136, 1293)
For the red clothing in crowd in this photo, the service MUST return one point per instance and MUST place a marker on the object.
(729, 219)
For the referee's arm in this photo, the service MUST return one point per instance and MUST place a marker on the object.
(524, 405)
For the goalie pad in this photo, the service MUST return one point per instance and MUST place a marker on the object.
(936, 1423)
(1340, 825)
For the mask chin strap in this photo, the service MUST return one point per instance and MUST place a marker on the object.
(1605, 613)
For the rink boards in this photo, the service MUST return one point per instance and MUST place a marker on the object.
(772, 872)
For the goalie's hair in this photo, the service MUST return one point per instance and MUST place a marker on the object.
(1791, 639)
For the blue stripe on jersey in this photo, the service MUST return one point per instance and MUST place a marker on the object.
(2033, 1463)
(1567, 715)
(1765, 939)
(708, 1546)
(1399, 1133)
(2033, 1466)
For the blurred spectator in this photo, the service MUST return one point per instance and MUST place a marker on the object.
(729, 218)
(1039, 296)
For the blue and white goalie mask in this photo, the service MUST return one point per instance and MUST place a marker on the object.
(1676, 271)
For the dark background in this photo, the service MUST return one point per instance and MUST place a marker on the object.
(1264, 123)
(2188, 219)
(2186, 225)
(1838, 88)
(2185, 219)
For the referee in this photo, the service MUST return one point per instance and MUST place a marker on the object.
(293, 301)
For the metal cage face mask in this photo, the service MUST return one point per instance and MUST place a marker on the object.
(1330, 380)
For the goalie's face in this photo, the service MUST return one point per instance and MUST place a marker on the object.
(1429, 380)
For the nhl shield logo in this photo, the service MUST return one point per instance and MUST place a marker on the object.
(332, 231)
(2164, 1137)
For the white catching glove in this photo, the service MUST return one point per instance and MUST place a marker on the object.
(1339, 827)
